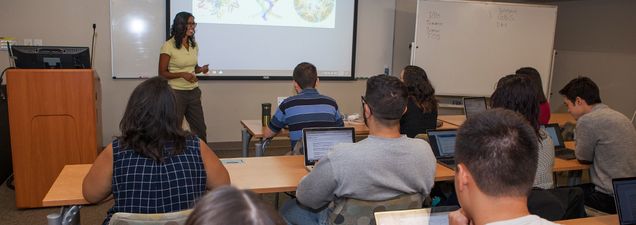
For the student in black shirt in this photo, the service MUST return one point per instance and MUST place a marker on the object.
(421, 113)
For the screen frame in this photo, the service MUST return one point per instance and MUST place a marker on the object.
(353, 54)
(319, 129)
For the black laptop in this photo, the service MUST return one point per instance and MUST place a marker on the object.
(474, 105)
(560, 151)
(625, 199)
(443, 144)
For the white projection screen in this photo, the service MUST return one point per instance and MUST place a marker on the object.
(266, 39)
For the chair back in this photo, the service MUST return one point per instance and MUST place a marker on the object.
(172, 218)
(360, 212)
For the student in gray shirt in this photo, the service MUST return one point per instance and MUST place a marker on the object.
(604, 137)
(383, 166)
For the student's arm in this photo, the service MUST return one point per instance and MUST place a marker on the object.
(97, 184)
(586, 141)
(214, 169)
(316, 189)
(339, 121)
(274, 126)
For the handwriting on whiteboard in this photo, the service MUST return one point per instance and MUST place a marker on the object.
(433, 25)
(505, 17)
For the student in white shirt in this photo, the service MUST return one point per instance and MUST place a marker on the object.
(496, 155)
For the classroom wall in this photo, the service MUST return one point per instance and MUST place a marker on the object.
(596, 38)
(225, 103)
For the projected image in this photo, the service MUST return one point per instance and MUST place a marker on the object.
(294, 13)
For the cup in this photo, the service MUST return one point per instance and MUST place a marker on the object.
(266, 114)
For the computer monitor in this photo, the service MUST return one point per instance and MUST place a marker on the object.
(51, 57)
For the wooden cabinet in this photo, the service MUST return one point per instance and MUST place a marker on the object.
(54, 121)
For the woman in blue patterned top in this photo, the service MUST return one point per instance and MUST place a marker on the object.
(154, 166)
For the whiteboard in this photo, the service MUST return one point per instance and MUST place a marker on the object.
(137, 30)
(466, 46)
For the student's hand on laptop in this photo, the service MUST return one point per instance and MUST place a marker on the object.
(458, 218)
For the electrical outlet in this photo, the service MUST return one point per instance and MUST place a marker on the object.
(28, 41)
(37, 42)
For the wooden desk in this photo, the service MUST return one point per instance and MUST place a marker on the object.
(456, 120)
(259, 174)
(597, 220)
(560, 118)
(67, 188)
(254, 129)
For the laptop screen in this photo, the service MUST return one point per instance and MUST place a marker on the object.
(318, 141)
(553, 131)
(474, 105)
(443, 142)
(625, 198)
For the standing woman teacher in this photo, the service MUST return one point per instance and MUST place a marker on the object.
(178, 62)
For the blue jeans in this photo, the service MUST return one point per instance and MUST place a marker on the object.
(296, 214)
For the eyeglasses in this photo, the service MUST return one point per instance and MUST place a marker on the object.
(192, 24)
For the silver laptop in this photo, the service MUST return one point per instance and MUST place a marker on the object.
(560, 151)
(443, 144)
(625, 199)
(474, 105)
(317, 142)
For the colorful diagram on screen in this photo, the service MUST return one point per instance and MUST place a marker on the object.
(293, 13)
(314, 10)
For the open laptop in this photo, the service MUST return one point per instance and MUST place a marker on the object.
(443, 144)
(317, 142)
(474, 105)
(625, 199)
(560, 151)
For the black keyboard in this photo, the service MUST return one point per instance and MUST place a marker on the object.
(564, 153)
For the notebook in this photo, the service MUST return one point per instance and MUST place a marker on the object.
(317, 142)
(474, 105)
(560, 151)
(443, 144)
(625, 199)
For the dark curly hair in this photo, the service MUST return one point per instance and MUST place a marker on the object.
(517, 93)
(178, 29)
(150, 124)
(534, 75)
(420, 88)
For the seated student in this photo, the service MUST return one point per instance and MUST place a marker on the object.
(518, 94)
(604, 137)
(229, 205)
(421, 113)
(496, 155)
(153, 155)
(544, 105)
(383, 166)
(306, 109)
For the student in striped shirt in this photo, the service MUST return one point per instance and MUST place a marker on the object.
(306, 109)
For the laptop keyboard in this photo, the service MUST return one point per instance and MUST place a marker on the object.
(565, 154)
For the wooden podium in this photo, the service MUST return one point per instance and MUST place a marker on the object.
(54, 120)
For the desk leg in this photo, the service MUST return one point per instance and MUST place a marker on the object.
(69, 215)
(574, 177)
(259, 148)
(245, 138)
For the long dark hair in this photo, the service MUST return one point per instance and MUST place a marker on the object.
(150, 123)
(178, 30)
(534, 75)
(517, 93)
(229, 205)
(420, 88)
